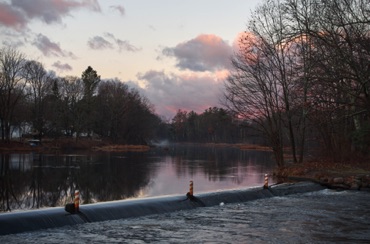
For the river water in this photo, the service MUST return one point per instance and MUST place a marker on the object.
(325, 216)
(35, 180)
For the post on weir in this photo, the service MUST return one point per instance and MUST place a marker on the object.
(191, 188)
(266, 184)
(77, 201)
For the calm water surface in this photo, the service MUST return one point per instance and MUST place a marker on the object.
(46, 180)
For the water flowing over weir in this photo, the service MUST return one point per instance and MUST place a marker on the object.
(57, 217)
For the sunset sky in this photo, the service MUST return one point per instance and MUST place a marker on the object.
(176, 52)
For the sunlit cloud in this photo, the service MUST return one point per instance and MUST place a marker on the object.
(188, 91)
(203, 53)
(17, 13)
(11, 17)
(49, 48)
(62, 67)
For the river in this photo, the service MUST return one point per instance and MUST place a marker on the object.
(325, 216)
(32, 180)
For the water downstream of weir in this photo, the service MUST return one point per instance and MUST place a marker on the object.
(325, 216)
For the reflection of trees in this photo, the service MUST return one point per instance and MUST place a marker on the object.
(115, 178)
(35, 181)
(12, 182)
(218, 163)
(52, 180)
(36, 184)
(5, 183)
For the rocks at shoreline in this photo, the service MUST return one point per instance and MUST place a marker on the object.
(349, 182)
(358, 182)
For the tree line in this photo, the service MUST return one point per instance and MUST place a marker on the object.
(41, 104)
(302, 77)
(214, 125)
(34, 101)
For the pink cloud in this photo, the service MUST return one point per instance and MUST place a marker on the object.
(203, 53)
(170, 92)
(11, 17)
(17, 13)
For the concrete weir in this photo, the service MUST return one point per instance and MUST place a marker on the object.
(26, 221)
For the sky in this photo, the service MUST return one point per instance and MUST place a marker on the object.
(175, 52)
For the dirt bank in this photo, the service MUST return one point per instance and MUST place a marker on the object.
(345, 175)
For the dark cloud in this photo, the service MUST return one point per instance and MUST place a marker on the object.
(62, 67)
(99, 43)
(49, 48)
(203, 53)
(170, 92)
(17, 13)
(119, 8)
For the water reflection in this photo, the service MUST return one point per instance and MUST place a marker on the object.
(44, 180)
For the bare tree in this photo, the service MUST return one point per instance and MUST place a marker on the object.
(39, 84)
(112, 107)
(263, 85)
(338, 31)
(12, 86)
(71, 92)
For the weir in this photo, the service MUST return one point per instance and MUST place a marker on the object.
(32, 220)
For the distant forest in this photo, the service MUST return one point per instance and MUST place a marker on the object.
(37, 104)
(300, 80)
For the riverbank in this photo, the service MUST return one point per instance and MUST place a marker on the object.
(49, 145)
(335, 175)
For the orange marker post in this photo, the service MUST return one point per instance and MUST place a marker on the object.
(266, 185)
(77, 200)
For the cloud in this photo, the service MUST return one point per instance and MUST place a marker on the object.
(203, 53)
(62, 67)
(190, 92)
(108, 41)
(49, 48)
(15, 39)
(152, 28)
(126, 45)
(17, 13)
(119, 8)
(122, 44)
(11, 17)
(99, 43)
